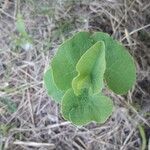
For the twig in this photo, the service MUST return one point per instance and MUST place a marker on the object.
(44, 128)
(2, 11)
(127, 139)
(34, 144)
(136, 30)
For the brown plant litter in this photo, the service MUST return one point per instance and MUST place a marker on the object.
(36, 123)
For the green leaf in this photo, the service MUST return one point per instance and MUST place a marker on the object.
(66, 58)
(50, 86)
(20, 26)
(143, 137)
(90, 68)
(85, 108)
(8, 104)
(120, 73)
(77, 73)
(4, 129)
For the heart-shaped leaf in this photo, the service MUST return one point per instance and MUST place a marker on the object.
(120, 73)
(90, 68)
(77, 73)
(50, 86)
(66, 58)
(85, 108)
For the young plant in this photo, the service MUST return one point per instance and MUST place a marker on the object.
(23, 39)
(80, 69)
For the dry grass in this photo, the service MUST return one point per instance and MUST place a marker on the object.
(36, 122)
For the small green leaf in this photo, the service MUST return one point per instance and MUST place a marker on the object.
(4, 129)
(20, 26)
(66, 58)
(50, 86)
(120, 73)
(85, 108)
(143, 137)
(8, 104)
(90, 68)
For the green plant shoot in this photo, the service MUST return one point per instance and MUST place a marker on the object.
(81, 68)
(91, 69)
(23, 40)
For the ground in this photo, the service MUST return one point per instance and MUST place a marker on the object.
(29, 119)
